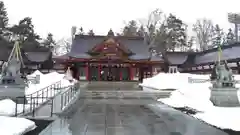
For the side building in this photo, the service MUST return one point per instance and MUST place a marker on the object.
(34, 58)
(203, 62)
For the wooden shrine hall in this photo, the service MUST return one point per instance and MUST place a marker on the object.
(120, 58)
(110, 58)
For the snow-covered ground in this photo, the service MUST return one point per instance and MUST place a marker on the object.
(7, 106)
(195, 96)
(15, 126)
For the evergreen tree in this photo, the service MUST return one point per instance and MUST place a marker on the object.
(3, 17)
(81, 31)
(131, 29)
(190, 43)
(176, 31)
(4, 32)
(110, 33)
(49, 42)
(218, 36)
(141, 31)
(230, 37)
(91, 33)
(25, 30)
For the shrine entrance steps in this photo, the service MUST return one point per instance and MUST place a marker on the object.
(104, 85)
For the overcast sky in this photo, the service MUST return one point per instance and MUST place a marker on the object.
(57, 16)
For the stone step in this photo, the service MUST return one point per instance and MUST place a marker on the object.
(112, 85)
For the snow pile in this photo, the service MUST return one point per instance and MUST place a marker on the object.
(222, 117)
(161, 81)
(19, 126)
(45, 80)
(195, 96)
(37, 72)
(7, 107)
(15, 126)
(66, 83)
(170, 81)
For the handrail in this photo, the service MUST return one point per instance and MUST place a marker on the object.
(67, 96)
(43, 88)
(33, 101)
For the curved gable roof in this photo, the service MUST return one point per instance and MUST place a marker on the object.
(228, 53)
(177, 58)
(83, 43)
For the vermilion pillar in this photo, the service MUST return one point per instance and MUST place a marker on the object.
(131, 73)
(99, 72)
(120, 73)
(87, 72)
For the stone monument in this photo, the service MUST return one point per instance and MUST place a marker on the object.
(11, 83)
(223, 90)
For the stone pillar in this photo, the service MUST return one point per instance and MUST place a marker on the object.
(172, 69)
(131, 72)
(120, 72)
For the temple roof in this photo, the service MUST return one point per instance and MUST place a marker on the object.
(84, 43)
(229, 52)
(34, 55)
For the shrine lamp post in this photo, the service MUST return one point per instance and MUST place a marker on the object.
(235, 19)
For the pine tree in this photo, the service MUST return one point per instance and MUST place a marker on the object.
(141, 31)
(91, 33)
(218, 36)
(230, 37)
(3, 16)
(81, 31)
(190, 43)
(49, 42)
(131, 29)
(176, 31)
(25, 30)
(4, 32)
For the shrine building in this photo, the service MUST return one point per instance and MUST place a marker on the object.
(121, 58)
(110, 58)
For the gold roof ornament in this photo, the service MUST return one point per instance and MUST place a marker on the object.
(110, 41)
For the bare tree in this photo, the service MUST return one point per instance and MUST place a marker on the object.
(130, 29)
(190, 43)
(204, 30)
(67, 46)
(152, 25)
(62, 46)
(163, 33)
(91, 33)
